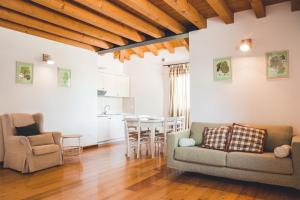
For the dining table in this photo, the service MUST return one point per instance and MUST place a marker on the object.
(152, 124)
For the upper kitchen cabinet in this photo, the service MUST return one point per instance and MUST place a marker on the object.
(114, 85)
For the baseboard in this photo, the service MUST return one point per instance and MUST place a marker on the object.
(112, 143)
(90, 146)
(104, 144)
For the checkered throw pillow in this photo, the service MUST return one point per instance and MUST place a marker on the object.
(247, 139)
(216, 138)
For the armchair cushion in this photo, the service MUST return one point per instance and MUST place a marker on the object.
(42, 139)
(22, 119)
(28, 130)
(45, 149)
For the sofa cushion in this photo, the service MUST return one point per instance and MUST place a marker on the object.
(277, 136)
(265, 162)
(45, 149)
(41, 139)
(197, 129)
(201, 156)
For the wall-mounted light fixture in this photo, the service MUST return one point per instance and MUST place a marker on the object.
(246, 45)
(47, 58)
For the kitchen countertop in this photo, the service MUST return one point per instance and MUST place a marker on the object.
(112, 114)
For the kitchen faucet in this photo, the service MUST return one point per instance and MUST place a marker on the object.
(106, 109)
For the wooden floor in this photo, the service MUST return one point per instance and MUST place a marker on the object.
(105, 173)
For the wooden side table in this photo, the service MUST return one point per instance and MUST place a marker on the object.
(74, 150)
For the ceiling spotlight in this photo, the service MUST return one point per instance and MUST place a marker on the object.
(47, 58)
(246, 45)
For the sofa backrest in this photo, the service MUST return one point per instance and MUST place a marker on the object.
(277, 135)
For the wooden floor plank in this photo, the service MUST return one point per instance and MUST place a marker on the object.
(105, 173)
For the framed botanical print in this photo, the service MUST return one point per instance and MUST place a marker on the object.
(24, 73)
(64, 77)
(277, 64)
(222, 69)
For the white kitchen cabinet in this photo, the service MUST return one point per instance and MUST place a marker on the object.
(110, 128)
(103, 129)
(115, 85)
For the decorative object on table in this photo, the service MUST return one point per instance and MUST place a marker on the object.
(24, 73)
(277, 64)
(72, 150)
(64, 77)
(186, 142)
(222, 69)
(282, 151)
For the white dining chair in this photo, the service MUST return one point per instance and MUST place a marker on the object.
(180, 124)
(135, 136)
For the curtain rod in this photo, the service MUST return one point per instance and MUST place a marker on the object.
(168, 65)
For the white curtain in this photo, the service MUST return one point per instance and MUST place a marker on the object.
(180, 91)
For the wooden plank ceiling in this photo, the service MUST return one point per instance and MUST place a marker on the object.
(105, 24)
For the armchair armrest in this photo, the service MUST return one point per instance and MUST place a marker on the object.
(56, 137)
(296, 154)
(172, 142)
(18, 144)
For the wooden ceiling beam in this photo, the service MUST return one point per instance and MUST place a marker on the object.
(188, 11)
(222, 9)
(128, 53)
(42, 34)
(295, 5)
(152, 48)
(61, 20)
(148, 9)
(107, 8)
(169, 46)
(138, 51)
(21, 19)
(185, 43)
(258, 8)
(122, 56)
(116, 54)
(85, 15)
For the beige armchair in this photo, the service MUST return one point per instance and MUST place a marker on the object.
(32, 153)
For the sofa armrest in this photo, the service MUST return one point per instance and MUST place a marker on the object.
(296, 154)
(172, 142)
(18, 144)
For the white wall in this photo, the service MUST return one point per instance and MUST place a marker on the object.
(70, 110)
(149, 82)
(249, 97)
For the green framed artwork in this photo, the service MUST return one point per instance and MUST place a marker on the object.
(277, 64)
(222, 69)
(24, 73)
(64, 77)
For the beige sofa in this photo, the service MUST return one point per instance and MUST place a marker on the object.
(263, 168)
(33, 153)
